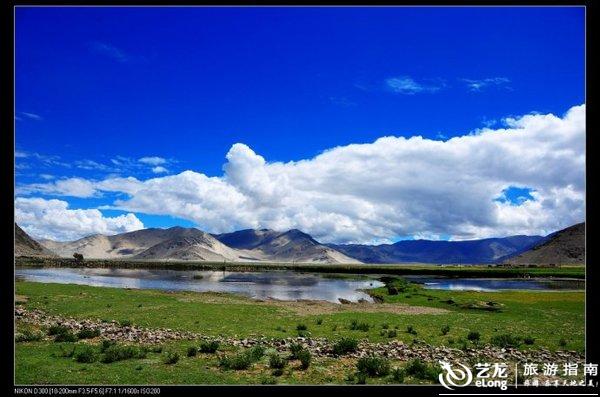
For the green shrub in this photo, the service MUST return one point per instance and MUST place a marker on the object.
(411, 330)
(398, 375)
(256, 353)
(301, 327)
(562, 342)
(305, 358)
(295, 348)
(474, 336)
(276, 362)
(156, 349)
(28, 335)
(319, 321)
(65, 337)
(85, 354)
(356, 326)
(421, 370)
(344, 346)
(119, 353)
(57, 329)
(125, 323)
(237, 362)
(392, 333)
(373, 366)
(385, 326)
(277, 372)
(105, 344)
(445, 329)
(505, 340)
(191, 351)
(361, 378)
(87, 333)
(303, 334)
(244, 359)
(209, 346)
(171, 358)
(528, 340)
(268, 381)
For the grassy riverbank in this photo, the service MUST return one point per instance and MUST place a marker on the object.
(567, 271)
(547, 319)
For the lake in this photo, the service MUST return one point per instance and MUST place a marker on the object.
(280, 285)
(496, 284)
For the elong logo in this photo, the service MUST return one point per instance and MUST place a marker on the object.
(452, 377)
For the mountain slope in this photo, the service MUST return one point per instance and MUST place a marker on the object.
(26, 246)
(191, 244)
(428, 251)
(566, 246)
(290, 246)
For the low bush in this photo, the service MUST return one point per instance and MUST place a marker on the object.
(191, 351)
(356, 326)
(301, 327)
(28, 335)
(125, 323)
(119, 353)
(528, 340)
(398, 375)
(505, 340)
(373, 366)
(474, 336)
(66, 337)
(87, 333)
(171, 358)
(319, 321)
(445, 329)
(562, 342)
(411, 330)
(305, 358)
(57, 329)
(344, 346)
(209, 346)
(85, 354)
(295, 348)
(392, 333)
(421, 370)
(242, 360)
(276, 361)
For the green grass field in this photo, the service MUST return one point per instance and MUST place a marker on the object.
(546, 316)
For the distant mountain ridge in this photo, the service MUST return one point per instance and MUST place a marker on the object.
(295, 246)
(488, 250)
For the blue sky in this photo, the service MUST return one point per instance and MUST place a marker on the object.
(97, 89)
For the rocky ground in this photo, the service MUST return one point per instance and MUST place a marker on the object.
(319, 347)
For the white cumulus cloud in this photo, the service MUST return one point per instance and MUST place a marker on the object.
(53, 219)
(392, 187)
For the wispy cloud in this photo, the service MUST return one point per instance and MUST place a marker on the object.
(155, 160)
(28, 115)
(159, 170)
(342, 101)
(408, 86)
(479, 84)
(110, 51)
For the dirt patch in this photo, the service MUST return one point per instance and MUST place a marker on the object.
(310, 308)
(21, 299)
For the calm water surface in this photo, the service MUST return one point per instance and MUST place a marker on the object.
(495, 284)
(281, 285)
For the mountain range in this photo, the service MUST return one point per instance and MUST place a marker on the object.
(295, 246)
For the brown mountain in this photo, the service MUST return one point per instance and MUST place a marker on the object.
(26, 246)
(566, 246)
